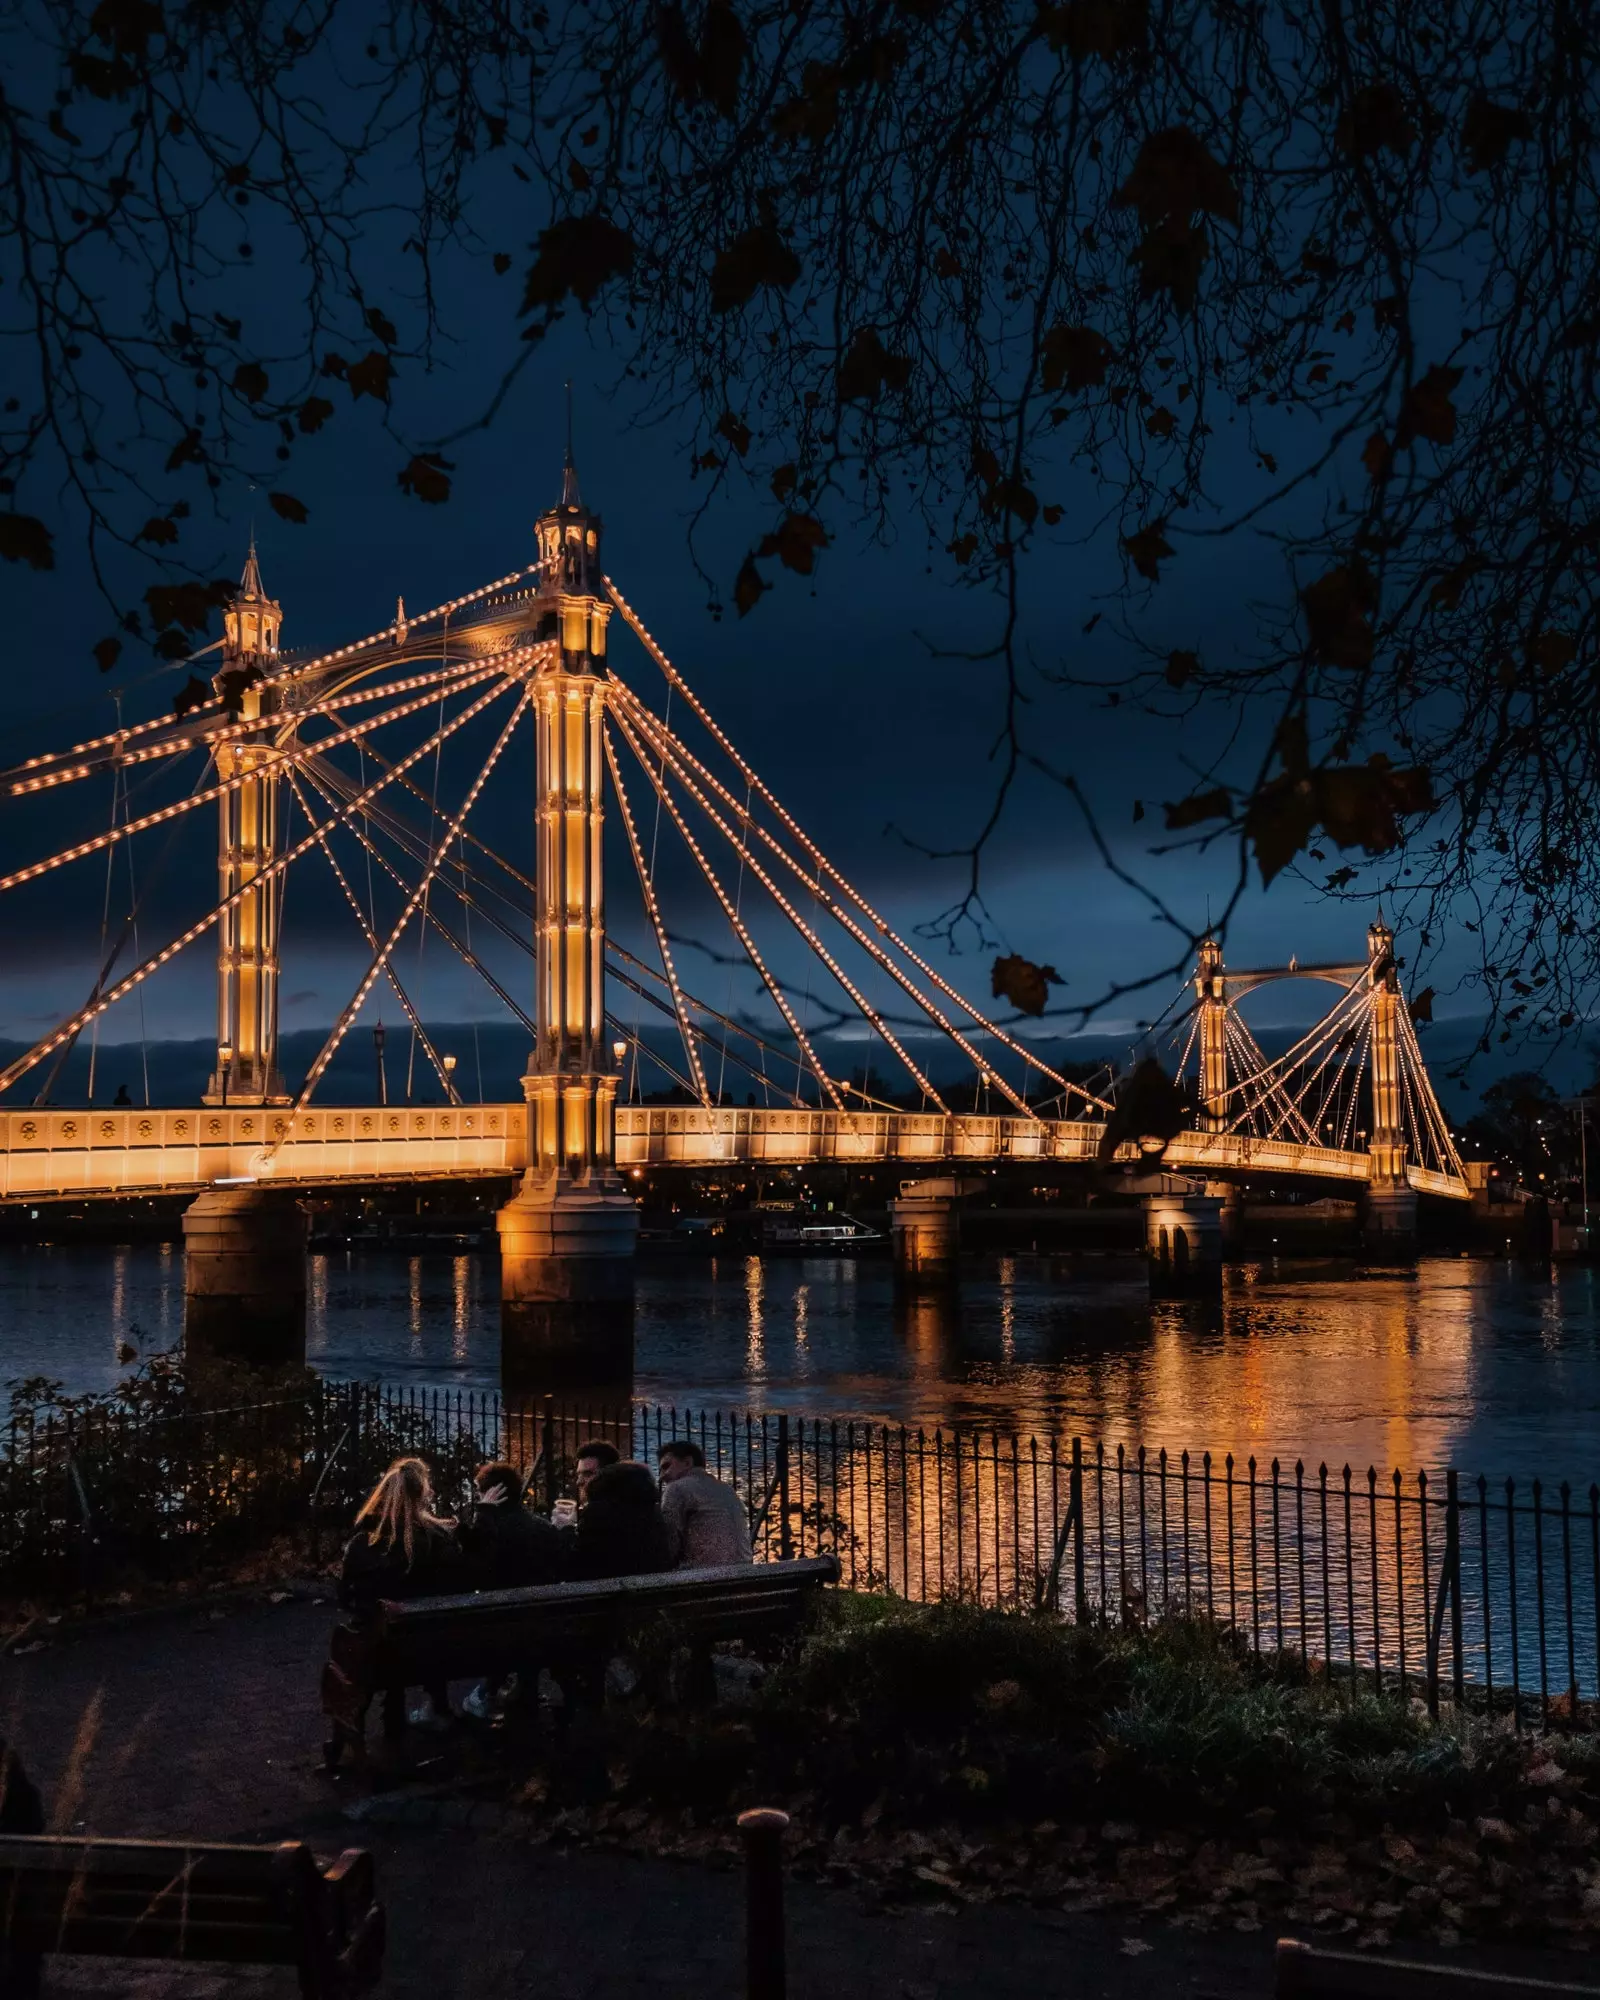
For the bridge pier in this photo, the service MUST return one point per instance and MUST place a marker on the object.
(925, 1227)
(244, 1279)
(1183, 1234)
(566, 1289)
(1389, 1218)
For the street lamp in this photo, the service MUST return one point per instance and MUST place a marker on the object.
(224, 1065)
(619, 1053)
(449, 1066)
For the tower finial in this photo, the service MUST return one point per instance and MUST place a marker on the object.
(570, 496)
(250, 584)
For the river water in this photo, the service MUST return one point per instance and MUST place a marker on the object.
(1464, 1362)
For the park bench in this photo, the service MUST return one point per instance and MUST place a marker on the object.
(1306, 1972)
(429, 1640)
(189, 1900)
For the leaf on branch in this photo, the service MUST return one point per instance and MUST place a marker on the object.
(796, 542)
(1161, 422)
(427, 478)
(187, 605)
(1024, 984)
(250, 379)
(963, 548)
(193, 694)
(1215, 804)
(502, 262)
(1181, 668)
(187, 451)
(757, 257)
(783, 481)
(1148, 549)
(1489, 131)
(578, 256)
(1074, 357)
(1377, 455)
(748, 586)
(314, 413)
(1356, 805)
(231, 685)
(371, 376)
(128, 26)
(579, 176)
(1150, 1109)
(1552, 650)
(1052, 514)
(1014, 497)
(287, 507)
(1427, 411)
(1421, 1008)
(107, 652)
(158, 531)
(868, 368)
(1174, 176)
(735, 430)
(1104, 28)
(1338, 609)
(382, 326)
(1375, 121)
(1171, 255)
(25, 540)
(722, 53)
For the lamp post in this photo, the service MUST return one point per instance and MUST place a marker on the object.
(619, 1055)
(224, 1065)
(377, 1050)
(449, 1065)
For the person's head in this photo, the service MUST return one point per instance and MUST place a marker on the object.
(624, 1488)
(593, 1458)
(400, 1504)
(498, 1484)
(681, 1456)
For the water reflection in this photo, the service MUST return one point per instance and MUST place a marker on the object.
(1464, 1361)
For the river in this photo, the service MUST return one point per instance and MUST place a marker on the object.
(1465, 1362)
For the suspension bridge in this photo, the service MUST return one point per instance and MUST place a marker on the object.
(367, 763)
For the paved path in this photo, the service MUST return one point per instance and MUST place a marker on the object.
(204, 1722)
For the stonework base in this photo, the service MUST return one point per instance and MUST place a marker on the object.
(566, 1291)
(1389, 1221)
(925, 1225)
(244, 1280)
(1183, 1235)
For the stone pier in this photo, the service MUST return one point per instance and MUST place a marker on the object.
(244, 1279)
(566, 1290)
(1183, 1234)
(1389, 1219)
(925, 1222)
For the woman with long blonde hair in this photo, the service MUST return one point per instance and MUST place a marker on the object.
(401, 1548)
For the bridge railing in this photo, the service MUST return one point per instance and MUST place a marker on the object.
(1434, 1585)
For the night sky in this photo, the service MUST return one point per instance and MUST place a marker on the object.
(830, 686)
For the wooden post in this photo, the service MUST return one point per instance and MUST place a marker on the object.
(762, 1832)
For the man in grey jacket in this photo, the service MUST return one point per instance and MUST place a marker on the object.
(705, 1520)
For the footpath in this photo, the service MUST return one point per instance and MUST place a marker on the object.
(203, 1721)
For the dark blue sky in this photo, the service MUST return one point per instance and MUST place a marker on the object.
(829, 686)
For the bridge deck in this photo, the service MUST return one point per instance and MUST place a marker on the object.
(47, 1153)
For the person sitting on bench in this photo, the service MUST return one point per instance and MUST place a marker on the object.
(507, 1545)
(407, 1550)
(619, 1531)
(705, 1520)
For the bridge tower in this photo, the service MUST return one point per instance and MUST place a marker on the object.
(1391, 1210)
(245, 1248)
(1212, 995)
(248, 933)
(567, 1237)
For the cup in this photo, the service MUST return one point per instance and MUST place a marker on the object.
(564, 1513)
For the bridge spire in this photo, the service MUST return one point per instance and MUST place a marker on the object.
(1211, 992)
(248, 931)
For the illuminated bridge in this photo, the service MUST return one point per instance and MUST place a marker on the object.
(367, 762)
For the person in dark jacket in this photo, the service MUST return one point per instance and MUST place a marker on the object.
(507, 1545)
(21, 1811)
(404, 1550)
(620, 1532)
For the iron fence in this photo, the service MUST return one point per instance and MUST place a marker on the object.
(1413, 1584)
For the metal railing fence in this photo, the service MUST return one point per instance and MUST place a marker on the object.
(1418, 1585)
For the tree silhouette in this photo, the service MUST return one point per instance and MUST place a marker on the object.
(1100, 275)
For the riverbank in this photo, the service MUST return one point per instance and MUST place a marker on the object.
(203, 1721)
